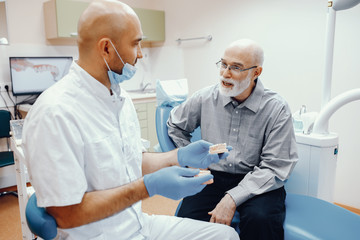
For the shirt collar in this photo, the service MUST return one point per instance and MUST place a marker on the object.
(252, 102)
(91, 84)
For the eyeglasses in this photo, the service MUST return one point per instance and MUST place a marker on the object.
(232, 68)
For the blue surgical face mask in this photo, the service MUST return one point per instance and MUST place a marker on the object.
(128, 71)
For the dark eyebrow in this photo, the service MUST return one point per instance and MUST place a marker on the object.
(138, 40)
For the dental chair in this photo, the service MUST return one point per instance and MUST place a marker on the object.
(306, 217)
(39, 221)
(166, 144)
(6, 157)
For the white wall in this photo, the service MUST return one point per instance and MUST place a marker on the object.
(291, 32)
(27, 38)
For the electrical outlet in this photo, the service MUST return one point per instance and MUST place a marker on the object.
(2, 86)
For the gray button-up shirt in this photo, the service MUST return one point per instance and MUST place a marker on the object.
(260, 130)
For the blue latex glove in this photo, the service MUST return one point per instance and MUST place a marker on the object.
(175, 182)
(197, 155)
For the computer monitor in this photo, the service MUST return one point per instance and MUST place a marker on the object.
(33, 75)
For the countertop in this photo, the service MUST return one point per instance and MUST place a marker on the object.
(137, 96)
(141, 97)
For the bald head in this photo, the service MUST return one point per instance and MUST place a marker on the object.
(109, 35)
(249, 47)
(103, 19)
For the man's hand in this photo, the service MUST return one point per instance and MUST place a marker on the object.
(224, 211)
(197, 155)
(175, 182)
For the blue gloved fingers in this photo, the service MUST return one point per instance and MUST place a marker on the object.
(225, 154)
(173, 182)
(190, 191)
(211, 158)
(206, 145)
(193, 190)
(195, 184)
(196, 155)
(187, 172)
(202, 179)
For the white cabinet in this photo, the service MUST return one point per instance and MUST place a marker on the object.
(146, 116)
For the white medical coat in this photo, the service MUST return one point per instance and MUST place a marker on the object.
(78, 138)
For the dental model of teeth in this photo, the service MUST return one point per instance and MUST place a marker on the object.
(205, 172)
(47, 67)
(218, 148)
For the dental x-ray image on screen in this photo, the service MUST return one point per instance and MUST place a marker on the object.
(33, 75)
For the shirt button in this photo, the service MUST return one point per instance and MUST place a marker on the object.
(230, 165)
(234, 129)
(237, 111)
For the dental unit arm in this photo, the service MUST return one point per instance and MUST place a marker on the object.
(321, 122)
(333, 7)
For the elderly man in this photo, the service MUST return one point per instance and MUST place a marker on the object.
(83, 149)
(257, 123)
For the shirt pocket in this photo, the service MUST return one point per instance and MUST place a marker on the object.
(103, 163)
(252, 151)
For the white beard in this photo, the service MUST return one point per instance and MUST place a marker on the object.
(238, 86)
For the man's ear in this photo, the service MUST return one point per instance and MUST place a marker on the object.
(103, 47)
(257, 72)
